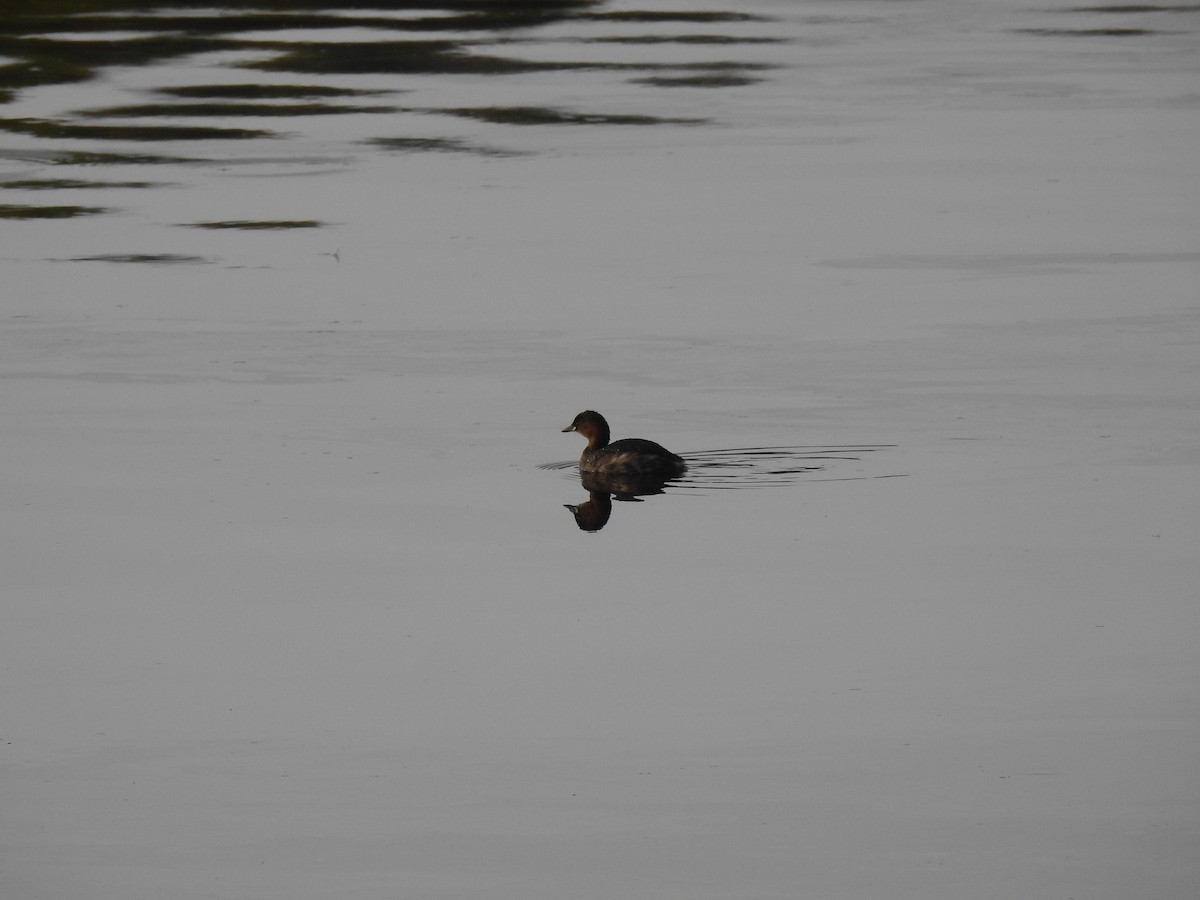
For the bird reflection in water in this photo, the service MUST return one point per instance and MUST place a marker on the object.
(592, 514)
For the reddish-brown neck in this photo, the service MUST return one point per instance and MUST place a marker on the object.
(595, 432)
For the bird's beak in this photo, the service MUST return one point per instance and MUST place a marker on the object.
(569, 428)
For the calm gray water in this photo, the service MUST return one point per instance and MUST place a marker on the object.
(303, 597)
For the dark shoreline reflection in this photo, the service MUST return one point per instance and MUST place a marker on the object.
(737, 468)
(317, 57)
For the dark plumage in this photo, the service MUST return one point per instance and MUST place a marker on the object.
(630, 457)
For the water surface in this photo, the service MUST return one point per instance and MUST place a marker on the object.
(296, 299)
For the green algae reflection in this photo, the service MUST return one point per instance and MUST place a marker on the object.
(64, 184)
(143, 258)
(200, 110)
(19, 211)
(437, 145)
(45, 128)
(258, 225)
(262, 91)
(548, 115)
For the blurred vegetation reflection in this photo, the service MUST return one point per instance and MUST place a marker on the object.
(257, 71)
(59, 42)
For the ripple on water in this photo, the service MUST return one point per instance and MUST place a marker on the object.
(740, 468)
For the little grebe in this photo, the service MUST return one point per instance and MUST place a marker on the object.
(631, 457)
